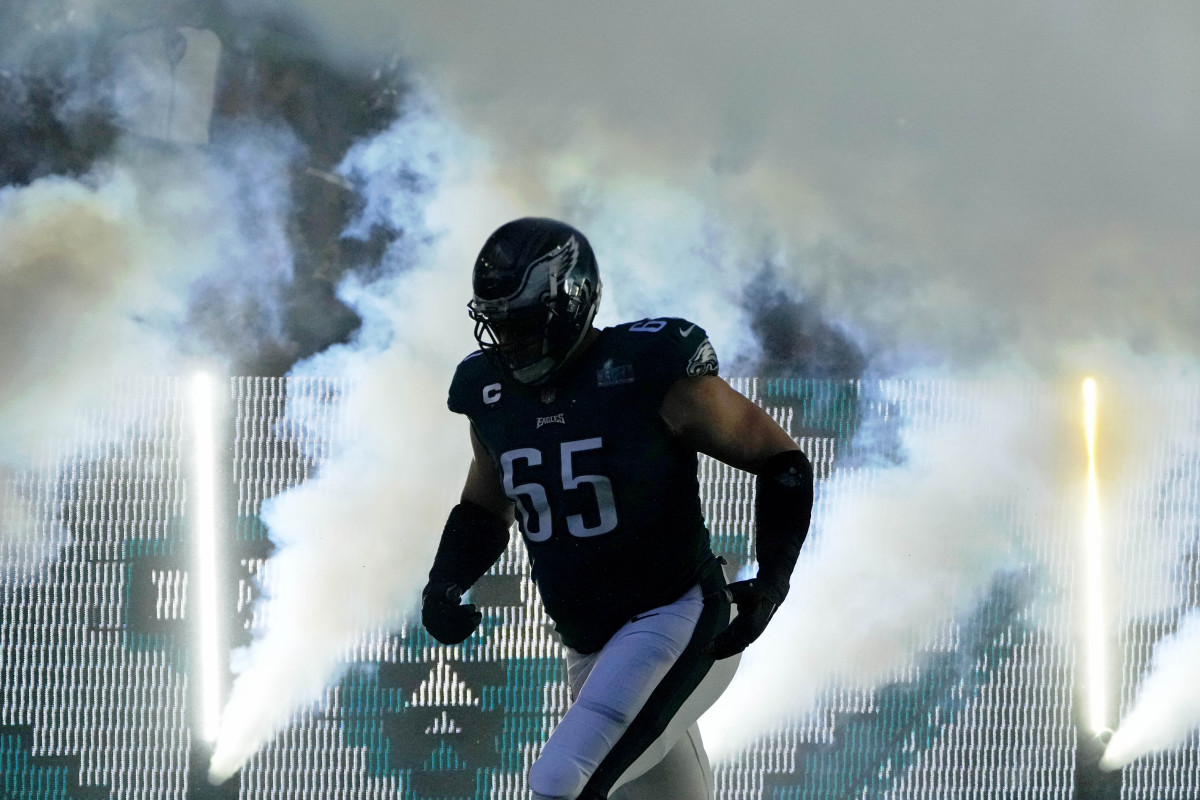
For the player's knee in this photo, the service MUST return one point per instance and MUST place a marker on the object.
(553, 778)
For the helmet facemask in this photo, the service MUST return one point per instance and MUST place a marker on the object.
(537, 327)
(518, 345)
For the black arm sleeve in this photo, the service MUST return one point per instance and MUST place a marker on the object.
(783, 508)
(471, 542)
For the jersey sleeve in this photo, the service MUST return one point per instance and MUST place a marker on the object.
(677, 349)
(465, 387)
(695, 346)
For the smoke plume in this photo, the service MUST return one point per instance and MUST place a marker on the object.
(133, 253)
(896, 554)
(961, 184)
(353, 544)
(95, 274)
(1168, 703)
(1154, 532)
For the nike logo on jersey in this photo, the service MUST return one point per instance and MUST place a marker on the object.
(640, 617)
(557, 419)
(684, 332)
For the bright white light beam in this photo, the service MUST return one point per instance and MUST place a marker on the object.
(204, 534)
(1097, 629)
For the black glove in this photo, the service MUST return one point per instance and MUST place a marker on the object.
(756, 602)
(444, 616)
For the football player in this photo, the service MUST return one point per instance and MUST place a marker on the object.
(588, 439)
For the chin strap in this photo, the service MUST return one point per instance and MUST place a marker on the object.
(783, 508)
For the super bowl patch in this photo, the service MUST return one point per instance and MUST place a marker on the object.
(614, 375)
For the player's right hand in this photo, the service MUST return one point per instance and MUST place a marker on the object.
(444, 615)
(756, 603)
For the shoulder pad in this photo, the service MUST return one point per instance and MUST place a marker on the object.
(472, 380)
(681, 347)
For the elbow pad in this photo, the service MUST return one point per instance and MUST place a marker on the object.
(473, 539)
(782, 508)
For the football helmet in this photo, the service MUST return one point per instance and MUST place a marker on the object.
(536, 291)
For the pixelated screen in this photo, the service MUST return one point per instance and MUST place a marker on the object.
(99, 690)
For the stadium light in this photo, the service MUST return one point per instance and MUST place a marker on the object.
(203, 397)
(1097, 630)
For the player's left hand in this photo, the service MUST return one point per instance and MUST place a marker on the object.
(756, 604)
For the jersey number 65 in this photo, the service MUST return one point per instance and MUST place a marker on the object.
(540, 502)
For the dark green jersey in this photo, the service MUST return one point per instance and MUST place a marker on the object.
(607, 499)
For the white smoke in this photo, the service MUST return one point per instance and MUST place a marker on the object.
(354, 543)
(1154, 530)
(896, 554)
(962, 183)
(83, 274)
(663, 253)
(97, 274)
(1168, 703)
